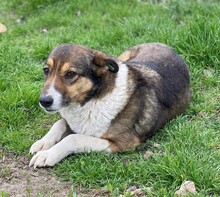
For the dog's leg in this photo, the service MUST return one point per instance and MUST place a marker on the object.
(74, 143)
(52, 137)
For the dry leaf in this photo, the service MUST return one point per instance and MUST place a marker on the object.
(187, 187)
(148, 154)
(3, 28)
(148, 189)
(134, 191)
(208, 72)
(137, 192)
(131, 188)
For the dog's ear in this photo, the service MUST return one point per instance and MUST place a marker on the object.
(104, 63)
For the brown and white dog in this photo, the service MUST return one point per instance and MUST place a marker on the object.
(108, 104)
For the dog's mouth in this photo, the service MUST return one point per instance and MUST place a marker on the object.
(49, 109)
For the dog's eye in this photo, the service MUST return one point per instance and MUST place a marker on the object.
(46, 70)
(70, 75)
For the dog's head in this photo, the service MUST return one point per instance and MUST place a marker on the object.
(73, 74)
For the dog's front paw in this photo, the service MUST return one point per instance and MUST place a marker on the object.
(44, 158)
(40, 145)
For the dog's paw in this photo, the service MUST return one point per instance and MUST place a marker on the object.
(44, 158)
(40, 145)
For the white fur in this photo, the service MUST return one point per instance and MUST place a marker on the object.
(74, 143)
(52, 137)
(57, 97)
(94, 118)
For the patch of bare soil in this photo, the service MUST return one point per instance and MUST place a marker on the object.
(17, 179)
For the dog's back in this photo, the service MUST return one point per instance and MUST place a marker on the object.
(160, 69)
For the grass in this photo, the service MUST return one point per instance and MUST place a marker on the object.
(189, 145)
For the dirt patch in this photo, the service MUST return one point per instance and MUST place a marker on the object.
(17, 179)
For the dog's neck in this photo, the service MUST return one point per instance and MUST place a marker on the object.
(100, 110)
(106, 85)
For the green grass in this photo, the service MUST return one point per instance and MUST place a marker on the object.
(189, 144)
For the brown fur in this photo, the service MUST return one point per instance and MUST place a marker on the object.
(50, 63)
(79, 90)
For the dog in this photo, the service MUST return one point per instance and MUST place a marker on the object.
(108, 104)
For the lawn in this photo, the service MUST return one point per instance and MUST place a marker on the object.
(187, 148)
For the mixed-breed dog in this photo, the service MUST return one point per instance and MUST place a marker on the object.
(108, 104)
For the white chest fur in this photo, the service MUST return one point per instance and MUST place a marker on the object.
(94, 118)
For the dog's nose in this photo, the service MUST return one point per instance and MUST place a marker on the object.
(46, 101)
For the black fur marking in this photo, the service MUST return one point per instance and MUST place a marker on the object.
(96, 85)
(172, 79)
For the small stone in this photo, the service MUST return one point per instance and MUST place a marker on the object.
(78, 13)
(34, 174)
(20, 20)
(43, 31)
(187, 187)
(157, 145)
